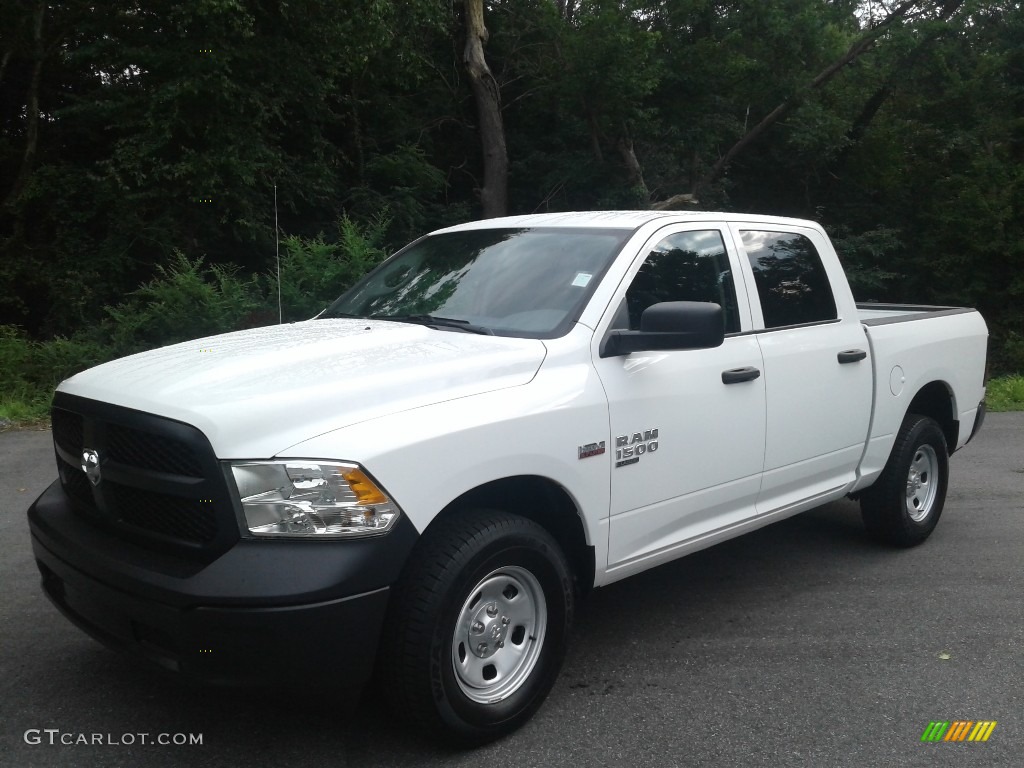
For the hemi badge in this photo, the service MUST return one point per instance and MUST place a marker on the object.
(591, 449)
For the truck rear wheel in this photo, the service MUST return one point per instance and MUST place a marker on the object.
(904, 504)
(477, 626)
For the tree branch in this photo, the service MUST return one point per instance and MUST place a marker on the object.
(675, 203)
(31, 108)
(861, 45)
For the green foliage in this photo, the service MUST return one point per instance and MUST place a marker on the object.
(938, 158)
(865, 257)
(30, 370)
(1008, 356)
(1005, 394)
(188, 299)
(314, 272)
(20, 411)
(28, 363)
(165, 128)
(404, 183)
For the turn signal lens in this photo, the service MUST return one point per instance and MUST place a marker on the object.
(364, 489)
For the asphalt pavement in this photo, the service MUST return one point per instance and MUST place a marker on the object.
(802, 644)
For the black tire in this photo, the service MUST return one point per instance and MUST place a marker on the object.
(904, 504)
(484, 593)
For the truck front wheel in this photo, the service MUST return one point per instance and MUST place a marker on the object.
(477, 626)
(904, 504)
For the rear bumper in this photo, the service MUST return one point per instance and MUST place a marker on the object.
(264, 612)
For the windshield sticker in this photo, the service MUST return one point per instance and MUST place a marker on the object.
(582, 279)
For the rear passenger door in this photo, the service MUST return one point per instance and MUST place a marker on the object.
(817, 368)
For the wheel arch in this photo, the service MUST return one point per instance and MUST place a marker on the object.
(543, 501)
(936, 400)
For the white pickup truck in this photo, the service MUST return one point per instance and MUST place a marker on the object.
(423, 479)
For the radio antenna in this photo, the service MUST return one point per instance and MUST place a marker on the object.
(277, 247)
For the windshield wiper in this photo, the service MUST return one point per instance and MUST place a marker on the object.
(432, 321)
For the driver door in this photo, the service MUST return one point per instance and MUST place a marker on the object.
(687, 447)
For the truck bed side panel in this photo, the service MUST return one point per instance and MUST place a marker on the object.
(942, 346)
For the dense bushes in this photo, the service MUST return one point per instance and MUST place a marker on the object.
(188, 299)
(315, 271)
(183, 135)
(29, 370)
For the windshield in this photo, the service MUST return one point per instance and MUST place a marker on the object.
(511, 282)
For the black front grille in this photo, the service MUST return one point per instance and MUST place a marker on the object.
(67, 430)
(174, 516)
(76, 484)
(159, 483)
(159, 452)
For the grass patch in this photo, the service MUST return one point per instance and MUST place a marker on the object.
(30, 371)
(1005, 393)
(25, 409)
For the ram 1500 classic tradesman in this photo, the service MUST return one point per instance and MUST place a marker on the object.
(498, 418)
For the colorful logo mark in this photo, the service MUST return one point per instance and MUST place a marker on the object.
(959, 730)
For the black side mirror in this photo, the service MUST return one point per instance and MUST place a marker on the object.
(670, 325)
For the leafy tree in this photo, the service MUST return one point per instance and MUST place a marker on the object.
(136, 137)
(166, 126)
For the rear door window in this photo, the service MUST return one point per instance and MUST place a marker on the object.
(791, 281)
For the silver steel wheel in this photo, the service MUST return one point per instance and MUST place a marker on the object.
(922, 483)
(499, 634)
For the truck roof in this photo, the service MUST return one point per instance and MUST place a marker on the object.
(619, 219)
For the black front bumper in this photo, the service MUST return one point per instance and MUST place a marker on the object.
(268, 612)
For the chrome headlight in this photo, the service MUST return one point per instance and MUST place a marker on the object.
(311, 498)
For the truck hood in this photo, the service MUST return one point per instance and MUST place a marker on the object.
(255, 393)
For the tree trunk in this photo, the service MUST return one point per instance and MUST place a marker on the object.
(494, 193)
(31, 109)
(859, 47)
(566, 8)
(3, 65)
(595, 135)
(634, 173)
(357, 136)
